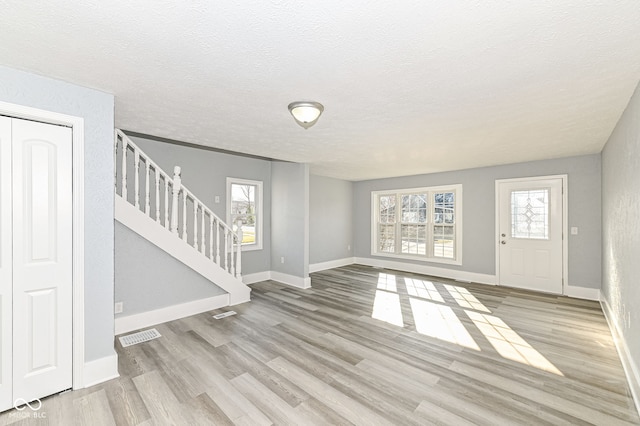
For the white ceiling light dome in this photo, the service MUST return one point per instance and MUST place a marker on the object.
(306, 113)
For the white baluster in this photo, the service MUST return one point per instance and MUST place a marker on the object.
(226, 250)
(238, 247)
(217, 226)
(184, 215)
(232, 269)
(195, 223)
(136, 169)
(166, 202)
(211, 237)
(177, 182)
(147, 198)
(202, 242)
(157, 174)
(124, 169)
(239, 258)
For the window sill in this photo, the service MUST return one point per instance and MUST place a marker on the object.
(251, 247)
(420, 258)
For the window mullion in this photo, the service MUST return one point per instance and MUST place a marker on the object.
(431, 212)
(398, 212)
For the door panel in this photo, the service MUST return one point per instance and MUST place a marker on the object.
(41, 330)
(530, 234)
(6, 273)
(40, 198)
(42, 259)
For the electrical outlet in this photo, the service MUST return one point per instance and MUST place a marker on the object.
(348, 247)
(282, 259)
(118, 308)
(217, 199)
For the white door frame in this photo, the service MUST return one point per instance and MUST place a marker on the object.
(77, 126)
(565, 224)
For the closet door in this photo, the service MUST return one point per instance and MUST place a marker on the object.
(6, 287)
(42, 259)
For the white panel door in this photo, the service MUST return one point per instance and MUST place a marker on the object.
(530, 234)
(42, 259)
(6, 288)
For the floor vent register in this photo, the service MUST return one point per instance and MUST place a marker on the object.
(139, 337)
(224, 315)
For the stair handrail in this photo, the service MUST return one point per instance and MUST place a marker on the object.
(218, 230)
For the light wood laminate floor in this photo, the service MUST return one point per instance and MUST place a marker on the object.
(366, 346)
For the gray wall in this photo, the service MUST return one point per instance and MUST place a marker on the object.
(621, 224)
(290, 218)
(478, 185)
(97, 110)
(148, 278)
(205, 173)
(330, 219)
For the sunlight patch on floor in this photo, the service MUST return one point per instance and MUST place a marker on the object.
(424, 289)
(465, 299)
(440, 322)
(387, 308)
(509, 344)
(387, 282)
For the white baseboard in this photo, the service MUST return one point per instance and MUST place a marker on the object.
(582, 292)
(322, 266)
(291, 280)
(428, 270)
(287, 279)
(629, 365)
(256, 277)
(169, 313)
(101, 370)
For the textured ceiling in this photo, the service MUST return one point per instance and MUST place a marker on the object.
(408, 87)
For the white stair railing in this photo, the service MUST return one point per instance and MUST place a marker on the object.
(174, 207)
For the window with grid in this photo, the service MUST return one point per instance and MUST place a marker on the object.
(418, 223)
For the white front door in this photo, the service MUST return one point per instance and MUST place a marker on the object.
(41, 268)
(530, 248)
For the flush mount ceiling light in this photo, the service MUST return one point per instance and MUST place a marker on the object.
(306, 113)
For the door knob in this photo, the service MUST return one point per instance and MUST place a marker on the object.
(504, 235)
(503, 242)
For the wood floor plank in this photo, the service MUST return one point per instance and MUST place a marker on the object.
(318, 413)
(94, 409)
(275, 408)
(437, 415)
(276, 383)
(160, 401)
(340, 403)
(126, 404)
(233, 403)
(206, 412)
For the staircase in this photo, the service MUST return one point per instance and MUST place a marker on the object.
(163, 211)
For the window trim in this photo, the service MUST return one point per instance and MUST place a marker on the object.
(259, 210)
(457, 188)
